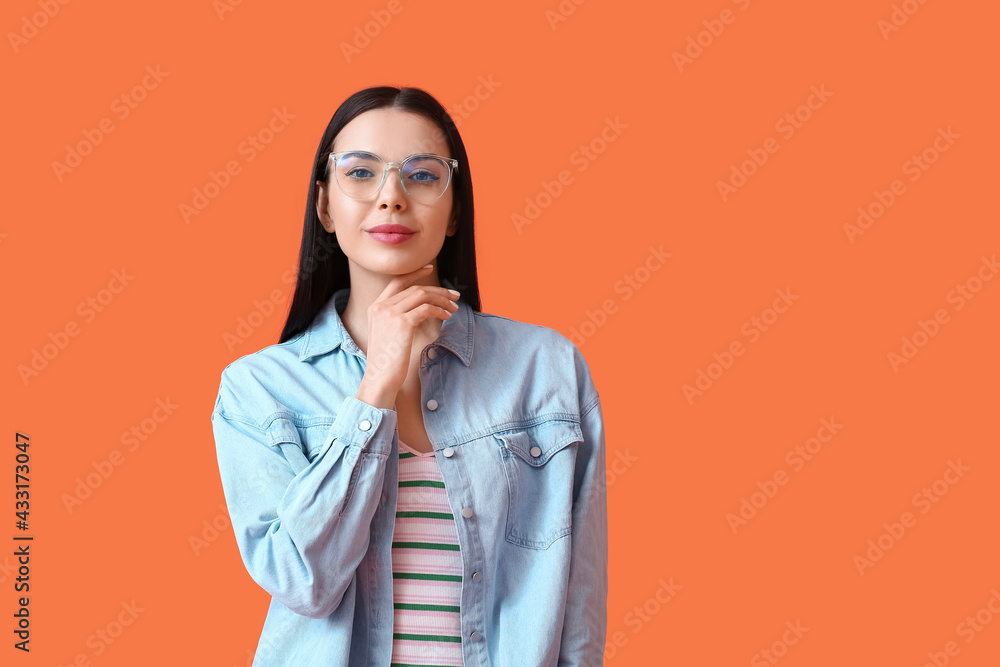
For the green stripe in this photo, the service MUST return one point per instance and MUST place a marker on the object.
(425, 545)
(425, 515)
(425, 607)
(427, 577)
(406, 455)
(427, 638)
(423, 482)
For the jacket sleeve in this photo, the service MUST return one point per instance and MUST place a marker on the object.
(302, 528)
(586, 623)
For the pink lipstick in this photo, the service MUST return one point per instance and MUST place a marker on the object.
(391, 234)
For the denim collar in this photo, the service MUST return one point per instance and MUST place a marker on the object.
(327, 330)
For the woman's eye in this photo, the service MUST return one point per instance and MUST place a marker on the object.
(423, 176)
(360, 173)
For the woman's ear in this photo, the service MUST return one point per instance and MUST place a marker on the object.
(323, 206)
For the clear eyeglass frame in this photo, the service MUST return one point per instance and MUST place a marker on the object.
(332, 159)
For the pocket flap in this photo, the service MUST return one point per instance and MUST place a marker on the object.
(537, 444)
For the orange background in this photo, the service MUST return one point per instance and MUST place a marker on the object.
(656, 184)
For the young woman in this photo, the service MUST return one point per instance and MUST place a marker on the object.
(413, 481)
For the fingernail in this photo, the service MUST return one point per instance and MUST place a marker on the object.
(455, 293)
(428, 266)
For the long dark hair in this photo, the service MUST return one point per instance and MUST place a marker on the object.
(323, 267)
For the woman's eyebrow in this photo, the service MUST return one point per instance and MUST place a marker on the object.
(361, 152)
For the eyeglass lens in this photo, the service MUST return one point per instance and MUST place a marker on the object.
(424, 178)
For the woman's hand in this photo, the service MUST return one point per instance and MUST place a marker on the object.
(393, 319)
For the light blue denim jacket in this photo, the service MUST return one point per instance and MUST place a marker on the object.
(309, 474)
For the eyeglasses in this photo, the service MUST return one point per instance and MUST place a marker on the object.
(424, 176)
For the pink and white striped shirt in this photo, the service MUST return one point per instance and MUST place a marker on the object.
(426, 567)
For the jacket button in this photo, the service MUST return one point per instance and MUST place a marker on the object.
(475, 636)
(466, 512)
(431, 353)
(449, 452)
(477, 576)
(365, 425)
(432, 404)
(536, 451)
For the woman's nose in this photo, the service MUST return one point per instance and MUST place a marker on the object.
(392, 192)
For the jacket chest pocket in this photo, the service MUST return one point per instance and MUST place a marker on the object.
(539, 463)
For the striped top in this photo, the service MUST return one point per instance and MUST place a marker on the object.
(426, 567)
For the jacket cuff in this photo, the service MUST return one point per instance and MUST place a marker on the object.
(364, 426)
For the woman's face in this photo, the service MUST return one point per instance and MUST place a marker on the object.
(393, 135)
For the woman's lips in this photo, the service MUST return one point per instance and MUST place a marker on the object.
(391, 238)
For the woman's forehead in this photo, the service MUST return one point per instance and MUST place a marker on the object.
(392, 134)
